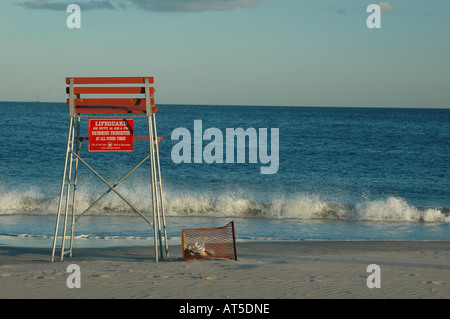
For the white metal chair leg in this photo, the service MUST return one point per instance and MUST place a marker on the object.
(152, 162)
(72, 225)
(63, 186)
(159, 185)
(69, 183)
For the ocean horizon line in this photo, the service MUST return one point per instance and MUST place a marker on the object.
(266, 105)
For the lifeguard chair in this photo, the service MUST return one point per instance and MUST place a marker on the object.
(111, 129)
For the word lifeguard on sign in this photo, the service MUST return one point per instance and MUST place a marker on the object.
(111, 135)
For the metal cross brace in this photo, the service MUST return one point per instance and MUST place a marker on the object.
(111, 186)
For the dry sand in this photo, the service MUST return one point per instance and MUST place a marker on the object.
(269, 270)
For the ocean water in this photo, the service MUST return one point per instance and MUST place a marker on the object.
(343, 174)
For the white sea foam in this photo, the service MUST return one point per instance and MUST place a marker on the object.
(397, 209)
(31, 201)
(305, 207)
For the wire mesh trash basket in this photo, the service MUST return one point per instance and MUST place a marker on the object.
(217, 242)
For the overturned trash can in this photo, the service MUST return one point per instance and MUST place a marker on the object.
(217, 242)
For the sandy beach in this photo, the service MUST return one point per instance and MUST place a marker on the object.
(264, 270)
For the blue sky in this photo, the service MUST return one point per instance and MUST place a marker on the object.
(237, 52)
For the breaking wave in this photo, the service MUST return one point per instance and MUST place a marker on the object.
(303, 207)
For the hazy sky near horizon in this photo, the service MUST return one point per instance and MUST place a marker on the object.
(237, 52)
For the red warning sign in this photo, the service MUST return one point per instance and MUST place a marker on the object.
(111, 135)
